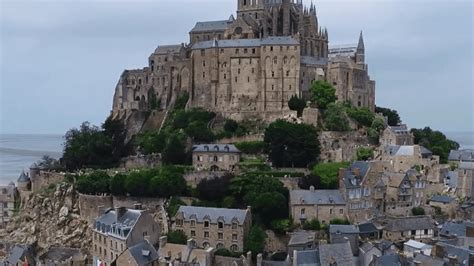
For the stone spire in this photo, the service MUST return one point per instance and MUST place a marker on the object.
(360, 45)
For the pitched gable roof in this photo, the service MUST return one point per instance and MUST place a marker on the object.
(213, 214)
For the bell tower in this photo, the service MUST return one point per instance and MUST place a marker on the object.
(254, 8)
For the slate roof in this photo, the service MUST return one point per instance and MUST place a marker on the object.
(367, 246)
(19, 252)
(417, 245)
(350, 179)
(466, 165)
(441, 199)
(211, 26)
(343, 229)
(307, 258)
(316, 197)
(302, 238)
(23, 177)
(224, 148)
(125, 222)
(453, 229)
(367, 228)
(390, 260)
(340, 253)
(461, 253)
(313, 61)
(427, 260)
(143, 253)
(461, 155)
(284, 40)
(213, 214)
(409, 223)
(168, 49)
(400, 129)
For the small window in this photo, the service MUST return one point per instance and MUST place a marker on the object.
(426, 231)
(220, 236)
(204, 63)
(253, 51)
(234, 237)
(206, 234)
(193, 223)
(237, 51)
(203, 74)
(271, 48)
(206, 224)
(303, 211)
(193, 233)
(273, 74)
(221, 225)
(234, 225)
(245, 51)
(203, 52)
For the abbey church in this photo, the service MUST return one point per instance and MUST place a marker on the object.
(249, 65)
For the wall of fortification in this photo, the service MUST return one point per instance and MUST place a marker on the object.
(89, 205)
(153, 204)
(44, 179)
(341, 146)
(141, 161)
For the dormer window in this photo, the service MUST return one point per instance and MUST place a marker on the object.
(226, 148)
(193, 223)
(206, 224)
(206, 148)
(234, 225)
(216, 148)
(220, 225)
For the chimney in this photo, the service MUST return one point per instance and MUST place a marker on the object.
(356, 171)
(120, 211)
(311, 188)
(190, 243)
(137, 206)
(259, 259)
(249, 258)
(163, 241)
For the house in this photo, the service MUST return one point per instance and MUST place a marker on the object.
(61, 256)
(457, 156)
(405, 157)
(117, 229)
(140, 254)
(397, 135)
(402, 228)
(21, 255)
(456, 229)
(389, 259)
(306, 258)
(322, 205)
(367, 252)
(454, 253)
(368, 231)
(214, 227)
(363, 189)
(302, 240)
(8, 195)
(336, 254)
(411, 247)
(424, 260)
(215, 157)
(405, 191)
(175, 254)
(465, 182)
(345, 233)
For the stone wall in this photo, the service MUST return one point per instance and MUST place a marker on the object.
(141, 161)
(341, 146)
(89, 205)
(246, 138)
(194, 178)
(44, 179)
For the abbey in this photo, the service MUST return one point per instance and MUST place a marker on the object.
(249, 65)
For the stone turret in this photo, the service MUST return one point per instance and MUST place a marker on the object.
(24, 182)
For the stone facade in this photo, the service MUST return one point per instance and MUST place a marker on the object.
(420, 228)
(397, 135)
(247, 66)
(322, 205)
(214, 227)
(8, 195)
(215, 157)
(118, 229)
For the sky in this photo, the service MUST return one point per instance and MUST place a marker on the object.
(60, 60)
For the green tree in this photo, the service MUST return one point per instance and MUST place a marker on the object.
(297, 104)
(251, 147)
(435, 141)
(215, 189)
(199, 132)
(335, 118)
(181, 101)
(93, 183)
(339, 221)
(418, 211)
(137, 183)
(329, 174)
(117, 185)
(255, 241)
(364, 154)
(151, 142)
(230, 125)
(177, 237)
(115, 130)
(282, 226)
(378, 124)
(174, 152)
(392, 115)
(291, 145)
(323, 94)
(167, 181)
(363, 116)
(173, 206)
(312, 225)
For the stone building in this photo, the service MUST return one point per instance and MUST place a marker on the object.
(140, 254)
(405, 157)
(405, 191)
(397, 135)
(348, 73)
(119, 229)
(457, 156)
(215, 157)
(247, 66)
(403, 228)
(465, 179)
(214, 227)
(322, 205)
(341, 233)
(363, 189)
(8, 195)
(176, 254)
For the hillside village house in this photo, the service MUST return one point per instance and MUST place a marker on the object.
(404, 157)
(363, 189)
(405, 190)
(173, 254)
(214, 227)
(7, 203)
(403, 228)
(457, 156)
(397, 135)
(465, 176)
(140, 254)
(322, 205)
(215, 157)
(119, 229)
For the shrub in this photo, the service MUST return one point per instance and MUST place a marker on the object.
(417, 211)
(364, 154)
(181, 101)
(227, 253)
(329, 174)
(435, 141)
(335, 118)
(173, 206)
(312, 225)
(230, 125)
(177, 237)
(363, 116)
(282, 226)
(339, 221)
(251, 147)
(392, 115)
(322, 93)
(255, 240)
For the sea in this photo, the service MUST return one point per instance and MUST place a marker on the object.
(18, 151)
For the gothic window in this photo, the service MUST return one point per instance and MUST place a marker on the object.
(234, 248)
(248, 79)
(225, 76)
(238, 71)
(273, 74)
(204, 63)
(203, 74)
(275, 60)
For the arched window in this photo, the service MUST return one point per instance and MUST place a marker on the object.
(219, 246)
(234, 248)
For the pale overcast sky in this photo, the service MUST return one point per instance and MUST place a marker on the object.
(60, 60)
